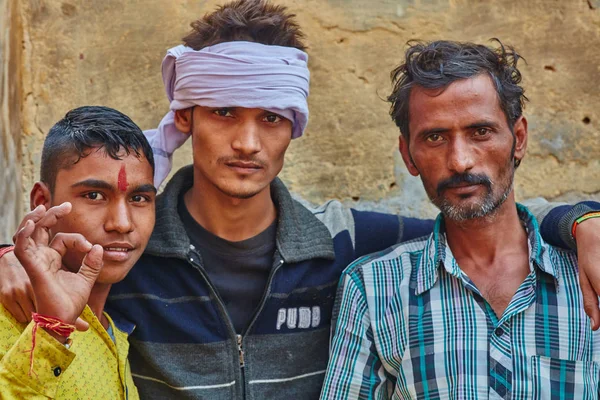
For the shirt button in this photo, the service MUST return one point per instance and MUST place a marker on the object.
(57, 371)
(499, 332)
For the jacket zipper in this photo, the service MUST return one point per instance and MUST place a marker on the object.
(240, 350)
(224, 314)
(239, 338)
(267, 292)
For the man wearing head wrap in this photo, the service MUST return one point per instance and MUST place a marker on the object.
(234, 295)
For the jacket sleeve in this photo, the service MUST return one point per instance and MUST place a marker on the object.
(375, 231)
(556, 220)
(50, 360)
(353, 371)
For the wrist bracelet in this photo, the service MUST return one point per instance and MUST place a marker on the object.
(55, 325)
(595, 214)
(6, 249)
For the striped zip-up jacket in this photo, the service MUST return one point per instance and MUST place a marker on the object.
(184, 345)
(412, 325)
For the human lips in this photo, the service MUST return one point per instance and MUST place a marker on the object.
(244, 166)
(464, 183)
(463, 188)
(118, 251)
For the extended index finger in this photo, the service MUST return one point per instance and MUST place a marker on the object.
(21, 238)
(34, 215)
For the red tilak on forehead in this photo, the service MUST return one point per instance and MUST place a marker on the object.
(122, 180)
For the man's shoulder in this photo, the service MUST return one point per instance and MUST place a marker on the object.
(398, 260)
(366, 229)
(564, 261)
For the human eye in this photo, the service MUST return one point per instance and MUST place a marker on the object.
(222, 112)
(272, 118)
(140, 199)
(94, 196)
(482, 132)
(434, 138)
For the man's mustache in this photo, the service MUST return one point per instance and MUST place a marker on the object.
(254, 160)
(470, 179)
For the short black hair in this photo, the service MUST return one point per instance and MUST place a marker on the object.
(86, 128)
(435, 65)
(246, 20)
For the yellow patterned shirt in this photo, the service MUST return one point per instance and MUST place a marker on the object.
(94, 367)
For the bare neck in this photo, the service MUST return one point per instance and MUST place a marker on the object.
(230, 218)
(483, 240)
(491, 248)
(97, 301)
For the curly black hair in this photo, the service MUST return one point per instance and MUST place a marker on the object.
(246, 20)
(435, 65)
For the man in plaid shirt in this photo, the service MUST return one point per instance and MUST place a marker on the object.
(483, 307)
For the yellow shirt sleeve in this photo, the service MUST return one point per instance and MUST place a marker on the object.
(50, 360)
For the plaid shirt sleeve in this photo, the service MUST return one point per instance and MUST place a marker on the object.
(354, 370)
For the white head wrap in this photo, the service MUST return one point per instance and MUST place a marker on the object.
(231, 74)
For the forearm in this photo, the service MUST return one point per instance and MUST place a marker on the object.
(556, 220)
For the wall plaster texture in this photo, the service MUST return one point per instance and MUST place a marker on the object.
(78, 52)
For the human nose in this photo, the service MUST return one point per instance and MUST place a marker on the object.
(460, 156)
(247, 141)
(119, 218)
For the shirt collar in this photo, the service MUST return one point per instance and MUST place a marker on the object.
(436, 253)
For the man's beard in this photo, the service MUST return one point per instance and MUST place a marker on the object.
(483, 207)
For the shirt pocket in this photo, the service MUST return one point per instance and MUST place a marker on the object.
(554, 378)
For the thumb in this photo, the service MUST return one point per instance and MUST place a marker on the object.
(81, 325)
(92, 264)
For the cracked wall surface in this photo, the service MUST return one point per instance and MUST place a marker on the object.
(77, 52)
(10, 131)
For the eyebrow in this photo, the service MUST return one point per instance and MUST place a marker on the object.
(94, 183)
(475, 125)
(145, 188)
(484, 124)
(99, 184)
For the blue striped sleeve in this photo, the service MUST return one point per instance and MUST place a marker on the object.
(556, 226)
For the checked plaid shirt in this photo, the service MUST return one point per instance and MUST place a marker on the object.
(411, 325)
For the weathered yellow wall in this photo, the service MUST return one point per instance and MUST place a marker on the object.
(10, 129)
(79, 52)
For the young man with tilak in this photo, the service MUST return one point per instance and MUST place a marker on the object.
(96, 183)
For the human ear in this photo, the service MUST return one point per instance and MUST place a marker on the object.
(408, 161)
(183, 120)
(40, 194)
(520, 132)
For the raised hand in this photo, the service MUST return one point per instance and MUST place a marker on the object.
(58, 292)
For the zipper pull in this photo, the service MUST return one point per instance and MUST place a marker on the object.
(240, 350)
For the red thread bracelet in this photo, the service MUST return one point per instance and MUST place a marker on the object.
(52, 324)
(5, 250)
